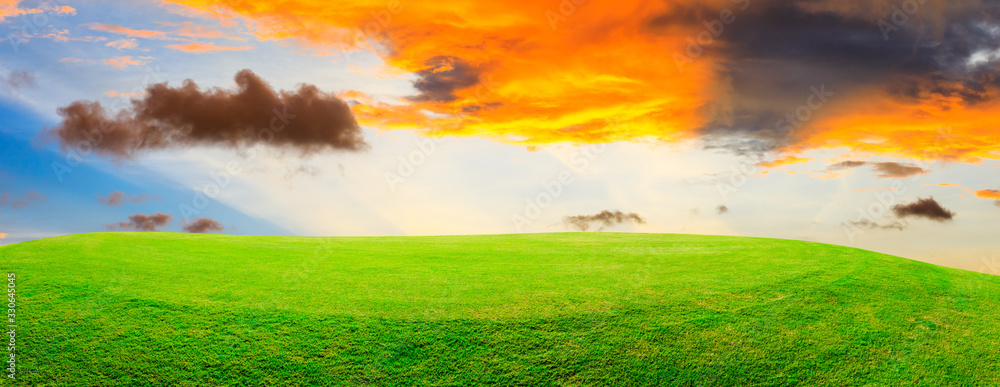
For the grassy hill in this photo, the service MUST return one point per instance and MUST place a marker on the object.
(544, 309)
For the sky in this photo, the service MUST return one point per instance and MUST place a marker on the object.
(869, 124)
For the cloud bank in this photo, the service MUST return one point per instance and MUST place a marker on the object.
(603, 219)
(141, 222)
(307, 120)
(203, 225)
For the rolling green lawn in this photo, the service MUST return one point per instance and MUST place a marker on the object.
(136, 309)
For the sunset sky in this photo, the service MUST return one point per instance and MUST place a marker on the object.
(864, 123)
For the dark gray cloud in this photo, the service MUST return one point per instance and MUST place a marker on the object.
(306, 119)
(141, 222)
(203, 225)
(884, 169)
(604, 219)
(927, 208)
(118, 198)
(442, 77)
(776, 52)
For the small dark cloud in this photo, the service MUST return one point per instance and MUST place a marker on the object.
(884, 169)
(997, 203)
(203, 225)
(30, 198)
(867, 223)
(442, 77)
(141, 222)
(722, 209)
(924, 208)
(306, 119)
(17, 80)
(897, 170)
(117, 198)
(604, 219)
(847, 164)
(988, 193)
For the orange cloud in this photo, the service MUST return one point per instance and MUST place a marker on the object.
(123, 44)
(190, 12)
(191, 30)
(121, 62)
(787, 160)
(117, 29)
(991, 194)
(9, 8)
(515, 71)
(942, 128)
(3, 235)
(988, 194)
(537, 72)
(113, 94)
(206, 47)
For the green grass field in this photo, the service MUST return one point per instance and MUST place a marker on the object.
(135, 309)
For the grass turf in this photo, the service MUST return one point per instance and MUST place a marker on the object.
(542, 309)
